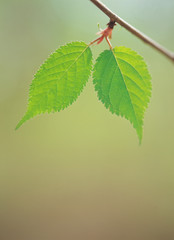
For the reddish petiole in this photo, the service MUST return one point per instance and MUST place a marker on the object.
(106, 33)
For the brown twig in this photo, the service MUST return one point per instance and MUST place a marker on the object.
(137, 33)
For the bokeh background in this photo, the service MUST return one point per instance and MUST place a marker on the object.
(80, 173)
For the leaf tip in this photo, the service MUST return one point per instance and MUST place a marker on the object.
(19, 124)
(24, 119)
(140, 141)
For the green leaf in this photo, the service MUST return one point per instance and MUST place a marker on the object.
(60, 80)
(122, 82)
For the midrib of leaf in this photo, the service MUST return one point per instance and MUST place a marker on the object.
(65, 72)
(27, 115)
(74, 61)
(115, 57)
(113, 72)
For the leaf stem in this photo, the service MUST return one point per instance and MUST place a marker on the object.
(137, 33)
(109, 43)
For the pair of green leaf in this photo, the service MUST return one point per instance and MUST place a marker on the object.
(120, 76)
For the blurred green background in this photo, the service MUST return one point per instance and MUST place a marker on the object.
(80, 173)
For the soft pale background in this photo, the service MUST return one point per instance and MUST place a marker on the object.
(80, 174)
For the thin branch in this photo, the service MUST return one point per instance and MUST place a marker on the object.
(133, 30)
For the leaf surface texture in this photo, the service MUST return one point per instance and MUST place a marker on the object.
(123, 84)
(60, 80)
